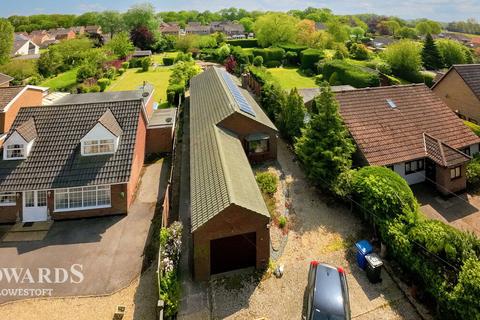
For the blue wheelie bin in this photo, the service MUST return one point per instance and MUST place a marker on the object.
(363, 248)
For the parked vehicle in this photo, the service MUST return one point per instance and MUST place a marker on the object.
(327, 293)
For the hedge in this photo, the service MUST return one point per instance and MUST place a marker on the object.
(273, 64)
(103, 83)
(269, 54)
(474, 127)
(293, 48)
(174, 92)
(168, 61)
(244, 43)
(350, 74)
(309, 57)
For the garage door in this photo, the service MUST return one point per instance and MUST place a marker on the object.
(232, 253)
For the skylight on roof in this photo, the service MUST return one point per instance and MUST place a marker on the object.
(237, 95)
(391, 104)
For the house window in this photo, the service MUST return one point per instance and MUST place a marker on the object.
(466, 151)
(82, 198)
(92, 147)
(8, 199)
(258, 146)
(15, 151)
(414, 166)
(455, 173)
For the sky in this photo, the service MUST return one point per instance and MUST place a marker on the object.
(440, 10)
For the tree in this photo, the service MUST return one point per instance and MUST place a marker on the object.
(6, 40)
(247, 23)
(407, 33)
(121, 45)
(87, 19)
(141, 15)
(404, 57)
(432, 60)
(393, 26)
(275, 28)
(339, 31)
(451, 51)
(306, 32)
(50, 62)
(111, 22)
(325, 147)
(358, 33)
(428, 26)
(291, 117)
(142, 38)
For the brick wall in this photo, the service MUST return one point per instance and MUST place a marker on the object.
(10, 214)
(232, 221)
(159, 140)
(447, 185)
(28, 98)
(458, 96)
(138, 159)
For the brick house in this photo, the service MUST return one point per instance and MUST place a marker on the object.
(170, 28)
(410, 130)
(5, 80)
(60, 34)
(81, 157)
(197, 28)
(11, 100)
(22, 46)
(459, 88)
(229, 218)
(41, 37)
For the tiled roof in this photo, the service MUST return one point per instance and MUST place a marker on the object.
(442, 153)
(387, 135)
(5, 78)
(7, 94)
(470, 73)
(308, 94)
(27, 130)
(109, 121)
(55, 160)
(220, 172)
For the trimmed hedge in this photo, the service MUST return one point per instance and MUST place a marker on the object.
(174, 92)
(168, 61)
(244, 43)
(309, 57)
(350, 74)
(103, 83)
(273, 64)
(293, 48)
(269, 54)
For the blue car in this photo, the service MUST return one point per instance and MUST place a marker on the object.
(327, 293)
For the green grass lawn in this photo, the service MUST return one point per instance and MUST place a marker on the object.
(132, 79)
(290, 78)
(158, 58)
(62, 81)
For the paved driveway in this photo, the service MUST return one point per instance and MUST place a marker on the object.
(109, 250)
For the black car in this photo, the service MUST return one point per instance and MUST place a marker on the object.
(327, 293)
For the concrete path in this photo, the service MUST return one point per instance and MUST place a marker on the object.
(108, 251)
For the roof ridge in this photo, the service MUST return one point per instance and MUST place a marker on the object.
(51, 106)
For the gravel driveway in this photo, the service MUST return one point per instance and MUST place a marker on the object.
(318, 232)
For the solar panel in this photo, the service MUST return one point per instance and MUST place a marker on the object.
(237, 95)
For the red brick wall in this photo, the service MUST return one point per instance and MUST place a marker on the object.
(232, 221)
(159, 140)
(28, 98)
(138, 159)
(446, 185)
(10, 214)
(149, 106)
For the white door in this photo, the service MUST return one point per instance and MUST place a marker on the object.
(35, 206)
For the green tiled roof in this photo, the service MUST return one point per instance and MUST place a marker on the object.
(220, 172)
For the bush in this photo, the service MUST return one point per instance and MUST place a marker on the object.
(174, 92)
(384, 68)
(19, 70)
(267, 182)
(94, 88)
(168, 61)
(359, 51)
(103, 83)
(125, 65)
(135, 63)
(111, 73)
(473, 172)
(350, 74)
(309, 58)
(121, 71)
(269, 54)
(282, 222)
(273, 64)
(258, 61)
(145, 64)
(85, 72)
(428, 78)
(293, 48)
(243, 43)
(292, 58)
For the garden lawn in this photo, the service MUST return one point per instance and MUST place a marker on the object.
(132, 79)
(158, 58)
(289, 78)
(63, 81)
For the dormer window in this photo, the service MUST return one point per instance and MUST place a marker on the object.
(103, 138)
(99, 146)
(15, 151)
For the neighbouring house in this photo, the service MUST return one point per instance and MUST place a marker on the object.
(459, 88)
(81, 158)
(62, 34)
(170, 28)
(41, 38)
(93, 30)
(410, 130)
(5, 80)
(229, 218)
(380, 43)
(23, 46)
(197, 28)
(309, 94)
(79, 31)
(142, 54)
(11, 100)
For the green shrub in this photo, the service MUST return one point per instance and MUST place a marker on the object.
(309, 57)
(473, 172)
(269, 54)
(168, 61)
(267, 182)
(103, 83)
(86, 71)
(392, 80)
(111, 73)
(135, 63)
(273, 64)
(292, 58)
(121, 71)
(428, 78)
(384, 68)
(350, 74)
(359, 51)
(174, 92)
(474, 127)
(145, 64)
(19, 70)
(258, 61)
(243, 43)
(94, 88)
(282, 222)
(125, 65)
(261, 75)
(293, 48)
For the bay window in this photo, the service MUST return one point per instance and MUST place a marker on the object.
(82, 198)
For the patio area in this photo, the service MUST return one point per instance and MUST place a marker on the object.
(460, 211)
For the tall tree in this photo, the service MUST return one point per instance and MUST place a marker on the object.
(405, 58)
(291, 117)
(121, 45)
(427, 26)
(452, 52)
(432, 60)
(325, 147)
(111, 22)
(142, 38)
(142, 15)
(6, 40)
(275, 28)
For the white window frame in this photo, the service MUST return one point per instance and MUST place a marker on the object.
(12, 147)
(98, 143)
(8, 194)
(84, 190)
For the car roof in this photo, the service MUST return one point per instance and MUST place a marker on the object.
(328, 293)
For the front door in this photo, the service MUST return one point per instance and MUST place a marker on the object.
(35, 206)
